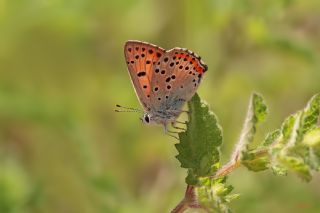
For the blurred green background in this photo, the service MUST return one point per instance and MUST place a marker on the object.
(62, 70)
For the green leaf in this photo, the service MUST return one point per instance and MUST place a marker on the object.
(214, 195)
(288, 154)
(198, 150)
(271, 137)
(297, 148)
(310, 115)
(292, 130)
(297, 125)
(287, 127)
(257, 112)
(312, 140)
(279, 170)
(314, 158)
(257, 164)
(256, 160)
(297, 165)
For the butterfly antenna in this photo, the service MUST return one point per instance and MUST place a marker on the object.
(126, 109)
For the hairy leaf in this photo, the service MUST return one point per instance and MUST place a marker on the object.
(312, 141)
(310, 115)
(286, 128)
(279, 170)
(312, 138)
(297, 165)
(271, 138)
(198, 150)
(257, 164)
(295, 149)
(214, 195)
(257, 112)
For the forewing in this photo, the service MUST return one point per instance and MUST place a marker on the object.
(141, 58)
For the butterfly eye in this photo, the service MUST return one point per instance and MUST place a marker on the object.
(146, 118)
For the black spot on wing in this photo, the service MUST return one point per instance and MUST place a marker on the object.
(141, 73)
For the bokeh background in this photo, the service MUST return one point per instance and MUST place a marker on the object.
(62, 70)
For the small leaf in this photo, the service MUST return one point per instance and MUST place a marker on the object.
(312, 140)
(260, 108)
(214, 195)
(310, 115)
(291, 138)
(271, 137)
(257, 112)
(302, 122)
(279, 170)
(298, 166)
(256, 165)
(295, 149)
(198, 150)
(288, 154)
(314, 158)
(287, 126)
(256, 160)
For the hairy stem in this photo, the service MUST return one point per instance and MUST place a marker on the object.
(234, 164)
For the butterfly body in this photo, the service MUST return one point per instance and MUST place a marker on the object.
(163, 79)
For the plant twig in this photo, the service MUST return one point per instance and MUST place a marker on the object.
(189, 201)
(234, 164)
(181, 207)
(226, 169)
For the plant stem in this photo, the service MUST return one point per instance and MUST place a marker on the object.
(234, 164)
(226, 169)
(181, 207)
(190, 199)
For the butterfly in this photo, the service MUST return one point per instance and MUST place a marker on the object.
(163, 80)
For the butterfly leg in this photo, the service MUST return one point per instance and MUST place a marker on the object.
(173, 124)
(186, 111)
(167, 132)
(180, 122)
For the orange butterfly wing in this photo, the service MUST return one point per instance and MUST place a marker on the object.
(177, 76)
(141, 57)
